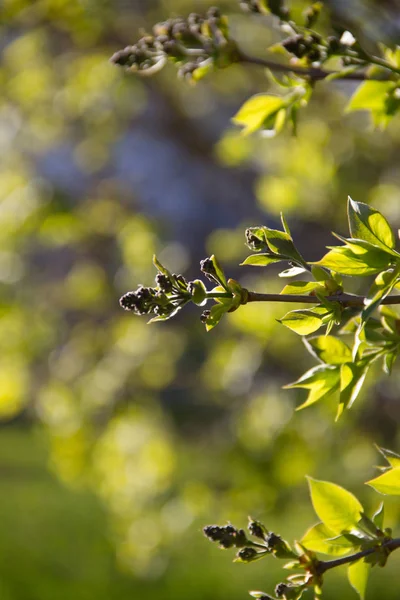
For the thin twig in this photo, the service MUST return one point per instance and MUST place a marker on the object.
(324, 566)
(343, 299)
(314, 73)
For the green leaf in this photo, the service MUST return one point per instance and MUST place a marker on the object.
(261, 260)
(375, 97)
(301, 321)
(321, 539)
(216, 313)
(382, 286)
(256, 111)
(358, 573)
(281, 243)
(368, 224)
(329, 349)
(352, 376)
(301, 287)
(160, 267)
(292, 272)
(220, 273)
(392, 457)
(322, 381)
(285, 225)
(379, 515)
(388, 361)
(337, 508)
(345, 260)
(369, 96)
(388, 483)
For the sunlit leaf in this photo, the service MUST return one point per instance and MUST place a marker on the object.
(379, 515)
(302, 322)
(329, 349)
(322, 381)
(321, 539)
(261, 260)
(357, 574)
(368, 224)
(388, 483)
(352, 377)
(337, 508)
(256, 111)
(344, 260)
(301, 287)
(392, 457)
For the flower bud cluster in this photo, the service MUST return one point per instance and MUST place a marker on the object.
(164, 300)
(314, 49)
(193, 42)
(227, 536)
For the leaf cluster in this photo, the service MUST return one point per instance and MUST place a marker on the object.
(371, 327)
(344, 532)
(199, 44)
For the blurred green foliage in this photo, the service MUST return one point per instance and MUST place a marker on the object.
(156, 431)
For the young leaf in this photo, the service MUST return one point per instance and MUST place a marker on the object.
(302, 322)
(322, 381)
(358, 573)
(392, 457)
(388, 361)
(352, 376)
(216, 313)
(368, 224)
(256, 111)
(292, 272)
(321, 539)
(388, 483)
(344, 260)
(382, 286)
(337, 508)
(373, 96)
(379, 515)
(301, 287)
(261, 260)
(281, 243)
(219, 272)
(329, 349)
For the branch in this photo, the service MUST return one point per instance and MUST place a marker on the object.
(324, 566)
(343, 299)
(314, 73)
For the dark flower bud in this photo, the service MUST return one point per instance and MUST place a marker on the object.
(207, 267)
(213, 12)
(204, 315)
(281, 589)
(164, 283)
(194, 19)
(247, 554)
(125, 57)
(334, 45)
(129, 301)
(240, 538)
(250, 6)
(257, 529)
(314, 54)
(180, 29)
(274, 541)
(213, 532)
(278, 9)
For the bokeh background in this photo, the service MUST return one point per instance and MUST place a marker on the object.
(119, 440)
